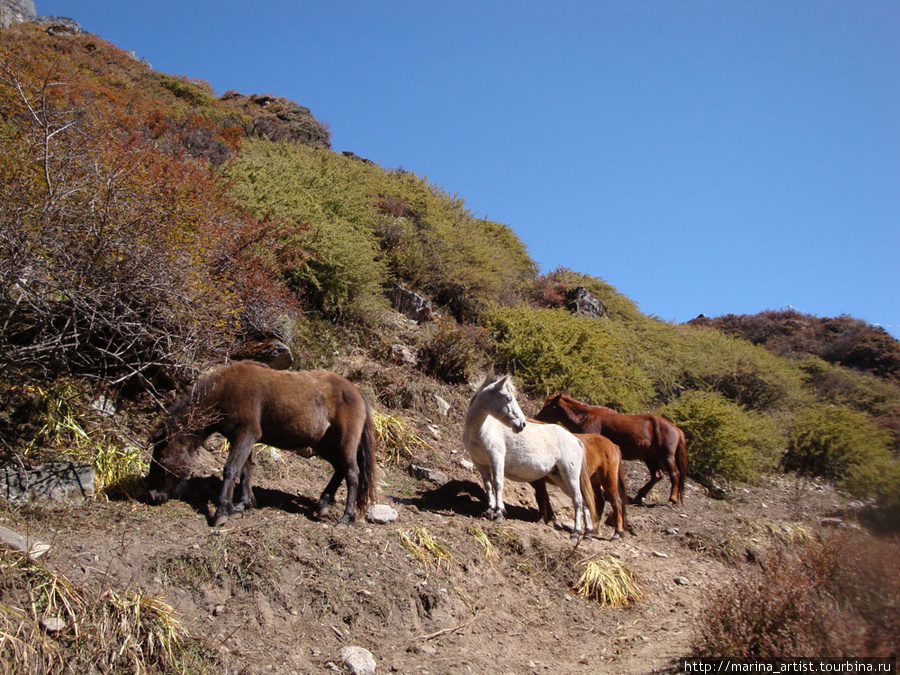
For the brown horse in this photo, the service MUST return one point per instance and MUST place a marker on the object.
(250, 403)
(604, 464)
(651, 438)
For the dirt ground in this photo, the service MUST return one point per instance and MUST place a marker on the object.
(277, 591)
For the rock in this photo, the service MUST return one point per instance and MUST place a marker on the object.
(359, 660)
(682, 581)
(467, 464)
(49, 484)
(657, 554)
(381, 514)
(836, 523)
(404, 355)
(104, 406)
(274, 353)
(53, 624)
(582, 301)
(27, 545)
(435, 432)
(411, 305)
(431, 475)
(443, 406)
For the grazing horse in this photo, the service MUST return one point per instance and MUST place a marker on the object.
(651, 438)
(250, 403)
(502, 444)
(604, 463)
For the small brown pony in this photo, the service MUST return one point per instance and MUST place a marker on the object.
(250, 403)
(604, 464)
(651, 438)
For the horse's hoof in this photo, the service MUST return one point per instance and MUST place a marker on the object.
(157, 497)
(616, 535)
(220, 520)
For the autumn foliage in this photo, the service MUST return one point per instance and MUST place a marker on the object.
(121, 255)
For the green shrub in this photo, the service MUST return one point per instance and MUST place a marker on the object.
(552, 350)
(844, 446)
(724, 440)
(368, 227)
(746, 374)
(857, 390)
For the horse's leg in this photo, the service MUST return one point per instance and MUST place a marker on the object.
(545, 508)
(672, 470)
(497, 476)
(241, 447)
(328, 494)
(351, 475)
(610, 486)
(568, 479)
(655, 477)
(488, 482)
(248, 501)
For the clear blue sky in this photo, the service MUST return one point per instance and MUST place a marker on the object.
(701, 156)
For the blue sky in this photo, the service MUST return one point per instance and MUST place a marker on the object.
(701, 156)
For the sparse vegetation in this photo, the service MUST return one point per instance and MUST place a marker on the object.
(836, 597)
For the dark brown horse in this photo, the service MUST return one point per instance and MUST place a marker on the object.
(604, 464)
(651, 438)
(250, 403)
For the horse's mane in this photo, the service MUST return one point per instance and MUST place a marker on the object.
(489, 379)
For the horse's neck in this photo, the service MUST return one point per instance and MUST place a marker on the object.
(480, 425)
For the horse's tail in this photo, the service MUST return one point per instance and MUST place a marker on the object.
(623, 495)
(682, 464)
(587, 493)
(365, 460)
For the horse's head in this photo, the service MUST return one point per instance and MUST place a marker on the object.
(170, 466)
(500, 400)
(553, 411)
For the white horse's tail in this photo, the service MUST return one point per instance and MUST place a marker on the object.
(587, 494)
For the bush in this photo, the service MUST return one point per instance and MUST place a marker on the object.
(456, 350)
(837, 597)
(748, 375)
(844, 446)
(117, 261)
(552, 350)
(369, 227)
(724, 440)
(860, 391)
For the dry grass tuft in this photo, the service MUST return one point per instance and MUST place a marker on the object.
(490, 551)
(608, 582)
(48, 624)
(399, 442)
(425, 548)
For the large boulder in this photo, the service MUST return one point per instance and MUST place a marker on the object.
(51, 484)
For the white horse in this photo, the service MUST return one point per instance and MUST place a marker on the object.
(502, 443)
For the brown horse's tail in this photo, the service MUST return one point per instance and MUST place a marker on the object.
(587, 493)
(365, 459)
(682, 464)
(623, 496)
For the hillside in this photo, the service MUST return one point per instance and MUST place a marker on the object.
(152, 230)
